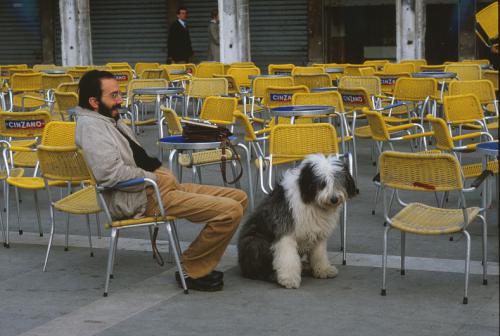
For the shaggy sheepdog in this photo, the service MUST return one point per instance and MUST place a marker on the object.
(295, 221)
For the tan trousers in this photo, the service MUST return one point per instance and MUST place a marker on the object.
(219, 208)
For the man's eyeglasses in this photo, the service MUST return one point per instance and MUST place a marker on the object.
(114, 95)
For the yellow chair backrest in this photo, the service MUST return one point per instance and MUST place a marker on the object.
(23, 124)
(205, 87)
(64, 101)
(141, 66)
(281, 95)
(398, 68)
(59, 133)
(329, 98)
(313, 81)
(462, 108)
(173, 121)
(260, 84)
(241, 74)
(22, 82)
(292, 142)
(144, 83)
(370, 83)
(487, 19)
(416, 62)
(52, 81)
(62, 163)
(300, 70)
(388, 81)
(208, 69)
(492, 76)
(483, 89)
(420, 171)
(232, 84)
(379, 64)
(367, 71)
(356, 99)
(415, 89)
(436, 67)
(68, 87)
(123, 77)
(153, 74)
(77, 73)
(247, 126)
(219, 110)
(441, 133)
(280, 69)
(465, 71)
(118, 65)
(377, 125)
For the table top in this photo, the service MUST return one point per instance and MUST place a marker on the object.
(434, 74)
(158, 90)
(334, 70)
(301, 110)
(257, 76)
(178, 72)
(323, 89)
(180, 143)
(488, 148)
(54, 72)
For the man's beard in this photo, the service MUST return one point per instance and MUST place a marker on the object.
(108, 112)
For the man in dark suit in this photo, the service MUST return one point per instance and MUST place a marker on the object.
(179, 41)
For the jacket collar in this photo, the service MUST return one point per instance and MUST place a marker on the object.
(83, 112)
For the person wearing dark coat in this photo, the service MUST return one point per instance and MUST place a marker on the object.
(179, 41)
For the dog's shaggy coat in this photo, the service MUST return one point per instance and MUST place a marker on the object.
(294, 221)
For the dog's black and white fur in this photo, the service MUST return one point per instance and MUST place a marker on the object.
(294, 221)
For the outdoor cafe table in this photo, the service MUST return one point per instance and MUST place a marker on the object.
(177, 143)
(488, 150)
(294, 111)
(53, 72)
(324, 89)
(334, 70)
(159, 92)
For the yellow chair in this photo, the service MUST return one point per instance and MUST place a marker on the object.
(119, 65)
(200, 88)
(258, 92)
(123, 76)
(63, 102)
(280, 69)
(290, 143)
(465, 112)
(208, 69)
(77, 73)
(312, 70)
(492, 76)
(26, 91)
(432, 68)
(416, 62)
(420, 92)
(483, 89)
(65, 164)
(394, 68)
(388, 81)
(68, 87)
(219, 110)
(427, 173)
(379, 64)
(367, 71)
(487, 21)
(465, 71)
(354, 69)
(141, 66)
(50, 82)
(312, 81)
(153, 74)
(371, 84)
(241, 75)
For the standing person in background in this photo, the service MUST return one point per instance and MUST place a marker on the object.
(179, 41)
(213, 37)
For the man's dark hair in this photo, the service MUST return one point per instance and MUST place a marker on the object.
(181, 8)
(90, 86)
(214, 13)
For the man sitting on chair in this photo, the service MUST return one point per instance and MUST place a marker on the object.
(114, 154)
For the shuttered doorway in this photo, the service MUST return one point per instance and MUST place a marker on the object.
(198, 19)
(128, 30)
(20, 32)
(278, 32)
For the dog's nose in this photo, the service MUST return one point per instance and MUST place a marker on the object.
(334, 199)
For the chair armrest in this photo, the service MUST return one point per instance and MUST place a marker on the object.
(388, 107)
(128, 183)
(481, 178)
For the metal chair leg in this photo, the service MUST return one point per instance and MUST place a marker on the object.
(403, 252)
(467, 265)
(38, 217)
(7, 214)
(384, 261)
(16, 192)
(344, 234)
(485, 250)
(51, 237)
(112, 247)
(87, 217)
(111, 275)
(176, 256)
(98, 225)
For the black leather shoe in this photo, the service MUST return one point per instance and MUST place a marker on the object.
(206, 283)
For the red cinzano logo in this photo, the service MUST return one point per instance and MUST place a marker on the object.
(24, 124)
(354, 99)
(281, 97)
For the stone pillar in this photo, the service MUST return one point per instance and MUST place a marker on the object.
(315, 31)
(76, 42)
(234, 31)
(47, 28)
(466, 29)
(410, 31)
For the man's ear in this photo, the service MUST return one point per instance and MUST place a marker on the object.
(94, 103)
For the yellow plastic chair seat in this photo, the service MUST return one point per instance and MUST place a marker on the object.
(25, 159)
(475, 169)
(144, 220)
(23, 143)
(363, 132)
(14, 172)
(491, 125)
(28, 102)
(426, 220)
(35, 183)
(80, 202)
(203, 157)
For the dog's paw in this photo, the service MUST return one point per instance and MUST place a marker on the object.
(329, 271)
(289, 281)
